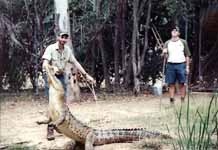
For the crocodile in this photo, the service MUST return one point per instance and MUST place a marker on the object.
(66, 123)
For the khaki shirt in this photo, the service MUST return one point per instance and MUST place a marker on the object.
(58, 58)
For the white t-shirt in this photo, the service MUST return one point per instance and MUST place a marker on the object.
(177, 51)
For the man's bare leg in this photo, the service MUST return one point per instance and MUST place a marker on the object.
(172, 92)
(182, 91)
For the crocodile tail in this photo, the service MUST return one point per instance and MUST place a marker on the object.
(124, 135)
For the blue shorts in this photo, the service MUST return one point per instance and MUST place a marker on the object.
(175, 72)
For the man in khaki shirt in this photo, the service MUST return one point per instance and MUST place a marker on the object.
(58, 55)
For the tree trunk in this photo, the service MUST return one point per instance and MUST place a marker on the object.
(36, 27)
(123, 40)
(3, 52)
(63, 22)
(93, 46)
(136, 88)
(104, 62)
(136, 56)
(202, 17)
(101, 46)
(117, 44)
(145, 37)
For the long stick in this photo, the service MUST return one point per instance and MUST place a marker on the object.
(160, 43)
(187, 84)
(158, 40)
(92, 89)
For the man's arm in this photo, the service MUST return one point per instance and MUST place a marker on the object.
(187, 61)
(46, 57)
(187, 56)
(80, 68)
(45, 63)
(165, 50)
(77, 64)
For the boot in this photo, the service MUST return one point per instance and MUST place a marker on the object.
(172, 100)
(50, 132)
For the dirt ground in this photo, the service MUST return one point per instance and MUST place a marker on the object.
(20, 113)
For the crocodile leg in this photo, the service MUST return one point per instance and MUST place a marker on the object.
(89, 143)
(70, 145)
(73, 145)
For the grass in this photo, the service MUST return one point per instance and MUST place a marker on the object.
(197, 128)
(193, 122)
(20, 147)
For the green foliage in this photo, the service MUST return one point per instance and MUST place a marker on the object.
(16, 73)
(84, 19)
(33, 34)
(21, 147)
(178, 9)
(197, 130)
(25, 37)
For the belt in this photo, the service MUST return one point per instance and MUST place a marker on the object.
(175, 63)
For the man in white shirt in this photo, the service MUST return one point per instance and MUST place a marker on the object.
(58, 55)
(177, 63)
